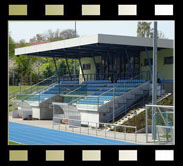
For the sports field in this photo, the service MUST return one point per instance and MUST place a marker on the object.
(31, 135)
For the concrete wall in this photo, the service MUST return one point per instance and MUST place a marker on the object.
(91, 116)
(165, 69)
(45, 110)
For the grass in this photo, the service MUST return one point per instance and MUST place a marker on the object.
(14, 90)
(13, 143)
(139, 120)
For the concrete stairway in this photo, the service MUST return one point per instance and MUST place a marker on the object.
(128, 99)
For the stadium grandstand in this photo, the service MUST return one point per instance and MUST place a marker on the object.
(115, 75)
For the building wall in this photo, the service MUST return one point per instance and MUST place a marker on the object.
(91, 62)
(165, 69)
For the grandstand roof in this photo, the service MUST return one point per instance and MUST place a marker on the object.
(89, 46)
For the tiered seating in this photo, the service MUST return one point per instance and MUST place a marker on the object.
(108, 98)
(97, 82)
(90, 89)
(130, 81)
(124, 84)
(41, 97)
(69, 82)
(98, 87)
(45, 94)
(108, 93)
(85, 101)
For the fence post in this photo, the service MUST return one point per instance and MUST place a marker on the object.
(146, 124)
(115, 132)
(80, 128)
(96, 128)
(113, 104)
(39, 98)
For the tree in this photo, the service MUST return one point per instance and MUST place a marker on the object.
(24, 67)
(144, 30)
(40, 67)
(54, 35)
(12, 46)
(38, 37)
(68, 33)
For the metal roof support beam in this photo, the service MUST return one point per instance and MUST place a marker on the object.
(120, 58)
(81, 68)
(68, 68)
(129, 65)
(58, 77)
(148, 57)
(108, 59)
(95, 66)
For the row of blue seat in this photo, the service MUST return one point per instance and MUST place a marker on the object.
(40, 97)
(97, 82)
(83, 101)
(100, 98)
(51, 92)
(69, 82)
(101, 81)
(108, 93)
(123, 84)
(130, 81)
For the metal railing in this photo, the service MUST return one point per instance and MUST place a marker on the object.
(96, 128)
(40, 85)
(161, 120)
(117, 112)
(107, 76)
(168, 133)
(123, 109)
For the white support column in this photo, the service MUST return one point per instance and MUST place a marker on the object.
(154, 80)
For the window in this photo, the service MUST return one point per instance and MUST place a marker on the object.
(146, 62)
(168, 60)
(86, 66)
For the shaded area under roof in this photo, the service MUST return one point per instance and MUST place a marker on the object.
(89, 46)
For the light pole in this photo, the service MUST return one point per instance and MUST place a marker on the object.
(154, 80)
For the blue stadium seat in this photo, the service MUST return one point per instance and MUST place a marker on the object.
(69, 82)
(108, 93)
(100, 98)
(89, 102)
(97, 82)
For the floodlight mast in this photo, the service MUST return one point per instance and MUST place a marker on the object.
(154, 81)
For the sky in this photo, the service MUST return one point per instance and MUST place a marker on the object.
(28, 29)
